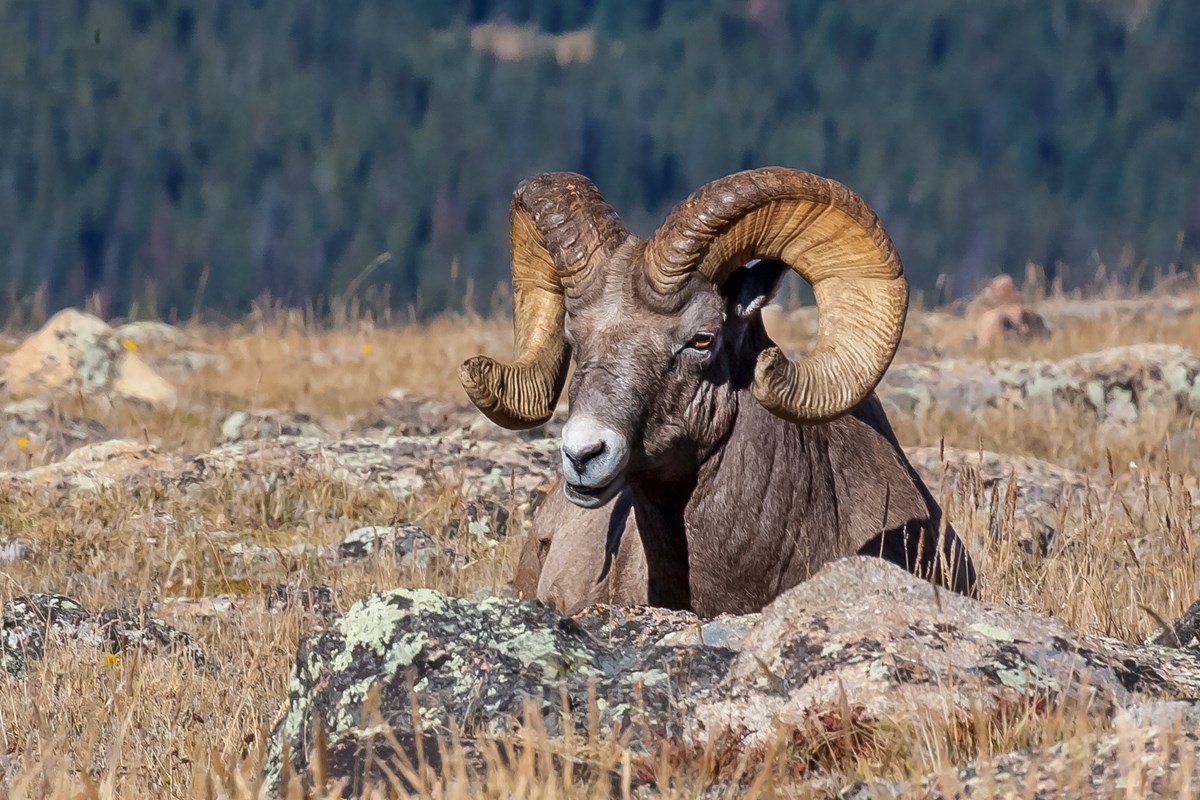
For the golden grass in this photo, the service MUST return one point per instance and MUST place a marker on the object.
(83, 727)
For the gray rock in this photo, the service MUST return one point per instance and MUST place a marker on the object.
(38, 428)
(863, 637)
(1183, 632)
(1147, 763)
(402, 465)
(319, 600)
(249, 557)
(1060, 313)
(267, 423)
(408, 543)
(146, 333)
(402, 413)
(482, 519)
(189, 362)
(32, 622)
(474, 666)
(643, 626)
(1113, 383)
(1164, 714)
(12, 549)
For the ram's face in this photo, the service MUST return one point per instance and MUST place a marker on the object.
(650, 390)
(657, 325)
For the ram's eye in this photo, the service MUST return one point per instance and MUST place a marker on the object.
(702, 341)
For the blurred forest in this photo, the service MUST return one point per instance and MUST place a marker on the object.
(166, 155)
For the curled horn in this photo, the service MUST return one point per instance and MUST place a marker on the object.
(833, 240)
(560, 229)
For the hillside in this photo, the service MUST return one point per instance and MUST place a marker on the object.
(170, 156)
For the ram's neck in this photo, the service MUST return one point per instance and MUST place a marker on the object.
(659, 510)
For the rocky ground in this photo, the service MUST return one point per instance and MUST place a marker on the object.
(260, 558)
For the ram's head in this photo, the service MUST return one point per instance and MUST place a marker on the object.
(666, 332)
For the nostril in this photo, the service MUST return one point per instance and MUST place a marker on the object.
(579, 456)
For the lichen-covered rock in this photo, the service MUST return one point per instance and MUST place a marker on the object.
(409, 544)
(399, 464)
(862, 638)
(1150, 763)
(319, 600)
(402, 413)
(133, 628)
(267, 423)
(38, 429)
(1113, 384)
(474, 667)
(78, 353)
(865, 637)
(641, 626)
(1183, 632)
(482, 519)
(31, 622)
(73, 351)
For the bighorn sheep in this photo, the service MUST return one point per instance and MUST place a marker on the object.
(746, 471)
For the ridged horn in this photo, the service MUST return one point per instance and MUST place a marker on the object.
(560, 228)
(833, 240)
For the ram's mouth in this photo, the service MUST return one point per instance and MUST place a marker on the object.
(593, 496)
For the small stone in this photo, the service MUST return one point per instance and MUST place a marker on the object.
(146, 333)
(408, 543)
(483, 519)
(318, 599)
(267, 423)
(1183, 632)
(31, 622)
(133, 628)
(189, 362)
(13, 550)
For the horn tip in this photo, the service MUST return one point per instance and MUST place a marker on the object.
(483, 380)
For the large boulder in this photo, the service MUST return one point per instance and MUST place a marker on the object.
(863, 645)
(77, 353)
(475, 667)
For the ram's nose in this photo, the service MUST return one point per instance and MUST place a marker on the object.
(593, 457)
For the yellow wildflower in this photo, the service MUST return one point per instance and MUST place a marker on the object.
(22, 442)
(130, 344)
(112, 659)
(367, 348)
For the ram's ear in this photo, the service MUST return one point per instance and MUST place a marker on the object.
(753, 286)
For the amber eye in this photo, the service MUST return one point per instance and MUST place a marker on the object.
(702, 341)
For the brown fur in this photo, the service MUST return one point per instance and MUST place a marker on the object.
(563, 556)
(733, 505)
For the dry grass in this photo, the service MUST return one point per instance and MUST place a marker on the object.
(81, 726)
